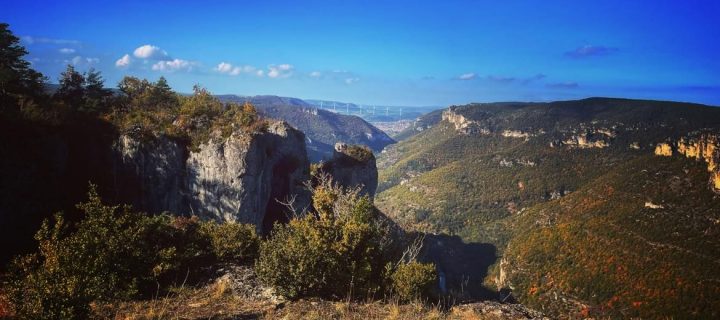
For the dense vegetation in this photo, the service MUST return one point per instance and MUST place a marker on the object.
(99, 254)
(342, 249)
(487, 187)
(603, 246)
(116, 253)
(59, 137)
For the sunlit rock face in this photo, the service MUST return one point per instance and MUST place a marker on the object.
(703, 147)
(238, 178)
(663, 149)
(353, 167)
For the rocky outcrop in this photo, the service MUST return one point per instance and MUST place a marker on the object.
(701, 147)
(663, 149)
(237, 178)
(463, 124)
(587, 140)
(240, 178)
(353, 166)
(150, 174)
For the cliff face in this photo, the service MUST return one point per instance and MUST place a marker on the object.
(463, 124)
(353, 166)
(150, 173)
(701, 147)
(240, 178)
(234, 179)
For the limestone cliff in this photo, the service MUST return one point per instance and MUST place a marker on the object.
(237, 178)
(701, 147)
(463, 124)
(353, 166)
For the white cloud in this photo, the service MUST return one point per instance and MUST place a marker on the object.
(173, 65)
(32, 40)
(82, 61)
(351, 80)
(150, 52)
(467, 76)
(224, 67)
(123, 62)
(260, 73)
(228, 68)
(67, 50)
(280, 71)
(315, 74)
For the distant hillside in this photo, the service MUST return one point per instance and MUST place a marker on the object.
(373, 113)
(322, 128)
(555, 186)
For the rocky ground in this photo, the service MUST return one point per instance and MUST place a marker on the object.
(236, 294)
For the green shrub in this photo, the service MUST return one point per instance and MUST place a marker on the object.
(413, 280)
(339, 250)
(99, 261)
(112, 253)
(359, 152)
(232, 242)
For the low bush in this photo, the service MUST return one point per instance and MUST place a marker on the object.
(115, 253)
(413, 280)
(342, 248)
(338, 249)
(232, 241)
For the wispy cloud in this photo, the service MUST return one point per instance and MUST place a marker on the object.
(563, 85)
(123, 62)
(315, 74)
(33, 40)
(80, 61)
(351, 80)
(467, 76)
(280, 71)
(230, 69)
(66, 50)
(534, 78)
(501, 79)
(590, 51)
(173, 65)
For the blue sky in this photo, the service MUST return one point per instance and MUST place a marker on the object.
(387, 52)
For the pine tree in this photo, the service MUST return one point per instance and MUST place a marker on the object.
(16, 76)
(72, 88)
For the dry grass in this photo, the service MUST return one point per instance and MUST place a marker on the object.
(217, 301)
(212, 302)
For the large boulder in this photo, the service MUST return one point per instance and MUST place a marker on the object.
(239, 178)
(353, 166)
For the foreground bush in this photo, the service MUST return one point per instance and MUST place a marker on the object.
(344, 248)
(114, 253)
(232, 241)
(413, 280)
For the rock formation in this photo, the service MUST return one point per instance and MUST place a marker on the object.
(238, 178)
(701, 147)
(353, 166)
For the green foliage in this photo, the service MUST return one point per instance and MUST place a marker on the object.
(359, 153)
(413, 280)
(73, 269)
(114, 253)
(150, 109)
(622, 259)
(342, 250)
(83, 92)
(232, 241)
(16, 76)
